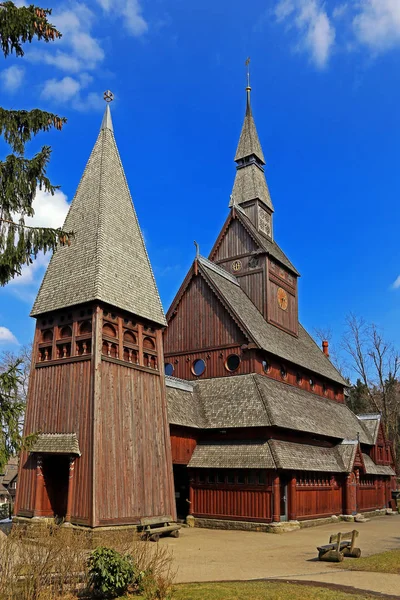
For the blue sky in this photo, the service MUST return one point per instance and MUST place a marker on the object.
(326, 92)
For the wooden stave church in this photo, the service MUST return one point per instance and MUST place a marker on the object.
(226, 446)
(259, 427)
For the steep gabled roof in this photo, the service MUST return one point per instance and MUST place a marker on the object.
(249, 142)
(302, 350)
(107, 260)
(371, 422)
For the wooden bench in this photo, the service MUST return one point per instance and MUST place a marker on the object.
(151, 528)
(340, 545)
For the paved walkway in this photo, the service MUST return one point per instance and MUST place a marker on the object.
(213, 555)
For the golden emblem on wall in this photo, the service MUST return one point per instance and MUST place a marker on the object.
(236, 265)
(283, 301)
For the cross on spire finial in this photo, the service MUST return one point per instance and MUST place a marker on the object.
(108, 96)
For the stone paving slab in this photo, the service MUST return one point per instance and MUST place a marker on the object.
(216, 555)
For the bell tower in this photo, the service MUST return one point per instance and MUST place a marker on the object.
(97, 395)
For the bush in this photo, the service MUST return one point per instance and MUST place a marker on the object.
(110, 573)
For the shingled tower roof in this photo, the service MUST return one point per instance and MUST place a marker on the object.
(250, 182)
(107, 260)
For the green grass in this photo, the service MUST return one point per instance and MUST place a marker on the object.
(385, 562)
(258, 590)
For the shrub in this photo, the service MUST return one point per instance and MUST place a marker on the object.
(110, 573)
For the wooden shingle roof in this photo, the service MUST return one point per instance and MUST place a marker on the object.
(259, 401)
(56, 443)
(302, 351)
(107, 260)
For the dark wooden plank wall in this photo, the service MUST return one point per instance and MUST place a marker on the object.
(64, 391)
(319, 501)
(131, 433)
(285, 319)
(234, 243)
(201, 322)
(244, 503)
(332, 391)
(215, 361)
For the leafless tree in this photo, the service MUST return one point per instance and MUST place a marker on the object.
(377, 363)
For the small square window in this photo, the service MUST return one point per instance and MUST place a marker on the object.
(262, 477)
(201, 477)
(230, 477)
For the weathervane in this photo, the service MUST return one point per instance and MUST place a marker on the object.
(108, 96)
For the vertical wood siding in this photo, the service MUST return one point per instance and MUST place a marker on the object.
(183, 444)
(201, 322)
(60, 403)
(241, 503)
(235, 242)
(135, 474)
(319, 501)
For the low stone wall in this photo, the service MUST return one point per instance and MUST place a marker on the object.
(283, 527)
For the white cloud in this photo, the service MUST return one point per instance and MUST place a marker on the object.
(77, 50)
(316, 34)
(69, 90)
(377, 24)
(61, 90)
(50, 211)
(340, 11)
(131, 13)
(7, 337)
(12, 78)
(396, 283)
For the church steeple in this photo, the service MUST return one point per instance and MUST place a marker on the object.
(250, 183)
(107, 260)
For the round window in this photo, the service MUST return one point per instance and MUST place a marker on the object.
(232, 363)
(283, 372)
(168, 369)
(198, 367)
(266, 366)
(312, 383)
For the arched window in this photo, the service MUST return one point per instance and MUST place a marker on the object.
(47, 335)
(299, 378)
(283, 372)
(312, 383)
(65, 331)
(109, 330)
(129, 337)
(148, 343)
(85, 327)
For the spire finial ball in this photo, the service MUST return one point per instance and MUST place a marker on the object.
(108, 96)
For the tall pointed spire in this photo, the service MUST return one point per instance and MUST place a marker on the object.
(250, 183)
(107, 260)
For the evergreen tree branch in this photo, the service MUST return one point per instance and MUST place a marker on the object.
(19, 126)
(11, 412)
(19, 25)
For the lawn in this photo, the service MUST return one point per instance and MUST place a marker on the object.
(259, 590)
(385, 562)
